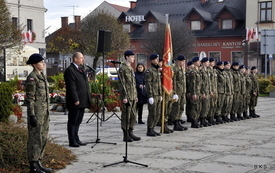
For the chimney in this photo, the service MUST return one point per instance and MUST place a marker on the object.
(64, 22)
(77, 22)
(204, 1)
(133, 4)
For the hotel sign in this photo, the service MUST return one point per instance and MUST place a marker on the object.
(223, 45)
(138, 18)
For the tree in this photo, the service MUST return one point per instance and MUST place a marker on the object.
(10, 34)
(102, 21)
(182, 38)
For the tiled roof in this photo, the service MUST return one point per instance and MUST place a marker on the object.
(119, 8)
(179, 9)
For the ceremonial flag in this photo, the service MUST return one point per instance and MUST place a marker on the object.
(167, 82)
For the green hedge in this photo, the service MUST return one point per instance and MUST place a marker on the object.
(6, 101)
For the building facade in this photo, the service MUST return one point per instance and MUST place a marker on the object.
(218, 25)
(30, 15)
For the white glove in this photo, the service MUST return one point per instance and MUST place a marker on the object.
(175, 97)
(160, 98)
(151, 100)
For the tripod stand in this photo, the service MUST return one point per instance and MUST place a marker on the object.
(125, 158)
(97, 97)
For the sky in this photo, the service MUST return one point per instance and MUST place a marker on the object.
(67, 8)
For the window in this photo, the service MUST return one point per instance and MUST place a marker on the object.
(29, 25)
(191, 55)
(195, 25)
(141, 58)
(237, 57)
(227, 24)
(266, 11)
(14, 21)
(126, 27)
(152, 27)
(215, 55)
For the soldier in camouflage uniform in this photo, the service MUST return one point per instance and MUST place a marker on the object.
(213, 92)
(205, 92)
(255, 92)
(195, 84)
(236, 90)
(228, 92)
(154, 93)
(128, 94)
(242, 92)
(37, 98)
(221, 82)
(247, 98)
(179, 89)
(188, 101)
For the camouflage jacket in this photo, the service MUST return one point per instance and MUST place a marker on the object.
(127, 77)
(153, 82)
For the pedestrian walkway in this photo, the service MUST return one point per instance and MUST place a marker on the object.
(246, 146)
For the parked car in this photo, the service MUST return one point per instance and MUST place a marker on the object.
(110, 71)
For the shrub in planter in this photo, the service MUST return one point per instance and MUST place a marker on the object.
(6, 101)
(263, 85)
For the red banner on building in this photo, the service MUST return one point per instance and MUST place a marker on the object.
(167, 82)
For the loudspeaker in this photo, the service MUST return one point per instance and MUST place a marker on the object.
(103, 41)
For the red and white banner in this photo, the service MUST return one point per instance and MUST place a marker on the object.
(252, 34)
(28, 37)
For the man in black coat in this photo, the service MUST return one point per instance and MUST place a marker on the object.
(77, 97)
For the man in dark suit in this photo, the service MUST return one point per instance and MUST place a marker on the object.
(77, 97)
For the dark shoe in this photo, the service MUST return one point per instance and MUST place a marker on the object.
(170, 122)
(131, 134)
(150, 132)
(126, 137)
(226, 119)
(194, 124)
(167, 130)
(211, 120)
(179, 124)
(34, 168)
(81, 143)
(256, 115)
(233, 117)
(141, 122)
(182, 121)
(74, 145)
(239, 116)
(158, 134)
(46, 170)
(219, 120)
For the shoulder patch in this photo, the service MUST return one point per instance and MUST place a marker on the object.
(31, 79)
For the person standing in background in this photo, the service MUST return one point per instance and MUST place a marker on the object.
(37, 99)
(141, 90)
(255, 92)
(78, 97)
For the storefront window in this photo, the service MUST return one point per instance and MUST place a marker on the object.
(191, 55)
(215, 55)
(238, 57)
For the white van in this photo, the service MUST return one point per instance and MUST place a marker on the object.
(110, 71)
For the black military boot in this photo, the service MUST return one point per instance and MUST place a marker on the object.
(256, 115)
(194, 124)
(211, 120)
(131, 134)
(158, 134)
(34, 168)
(150, 132)
(245, 116)
(126, 136)
(177, 127)
(219, 120)
(180, 124)
(203, 122)
(233, 117)
(239, 116)
(225, 119)
(167, 130)
(46, 170)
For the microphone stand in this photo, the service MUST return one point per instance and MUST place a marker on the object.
(125, 159)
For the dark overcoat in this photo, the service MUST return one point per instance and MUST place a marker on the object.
(77, 88)
(142, 94)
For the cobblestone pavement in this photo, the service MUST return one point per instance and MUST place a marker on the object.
(246, 146)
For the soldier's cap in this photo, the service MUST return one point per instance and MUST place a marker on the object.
(235, 63)
(253, 67)
(205, 59)
(219, 63)
(242, 66)
(128, 53)
(35, 58)
(226, 62)
(180, 58)
(189, 63)
(154, 56)
(195, 59)
(160, 59)
(211, 60)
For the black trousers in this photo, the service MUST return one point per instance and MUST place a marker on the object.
(75, 117)
(139, 110)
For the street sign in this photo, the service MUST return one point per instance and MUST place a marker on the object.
(267, 42)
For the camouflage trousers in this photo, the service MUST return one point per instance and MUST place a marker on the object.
(235, 103)
(154, 112)
(205, 107)
(195, 108)
(37, 139)
(220, 103)
(188, 107)
(247, 101)
(178, 108)
(228, 100)
(130, 112)
(241, 104)
(167, 101)
(213, 106)
(253, 102)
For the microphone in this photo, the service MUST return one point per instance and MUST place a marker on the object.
(115, 62)
(87, 65)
